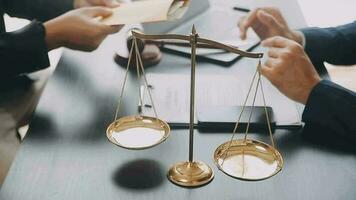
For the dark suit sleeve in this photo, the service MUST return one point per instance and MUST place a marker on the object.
(23, 51)
(41, 10)
(335, 45)
(333, 109)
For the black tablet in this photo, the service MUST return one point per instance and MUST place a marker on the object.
(224, 118)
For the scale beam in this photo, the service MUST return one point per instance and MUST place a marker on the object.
(199, 40)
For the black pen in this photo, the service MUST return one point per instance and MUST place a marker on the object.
(140, 100)
(241, 9)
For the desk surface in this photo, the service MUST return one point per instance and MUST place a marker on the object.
(67, 156)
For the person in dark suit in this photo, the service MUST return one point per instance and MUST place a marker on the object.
(295, 56)
(54, 24)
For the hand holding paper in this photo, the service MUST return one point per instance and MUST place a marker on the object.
(147, 11)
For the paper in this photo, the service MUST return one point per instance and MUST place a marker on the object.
(140, 12)
(171, 96)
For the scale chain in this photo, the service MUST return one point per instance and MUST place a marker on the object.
(145, 79)
(265, 106)
(259, 83)
(249, 121)
(138, 76)
(239, 118)
(123, 85)
(253, 106)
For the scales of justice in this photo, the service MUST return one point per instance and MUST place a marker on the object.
(244, 159)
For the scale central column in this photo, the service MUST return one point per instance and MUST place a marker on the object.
(193, 43)
(191, 173)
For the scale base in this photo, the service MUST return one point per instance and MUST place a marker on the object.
(190, 174)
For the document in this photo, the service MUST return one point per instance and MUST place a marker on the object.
(146, 11)
(171, 95)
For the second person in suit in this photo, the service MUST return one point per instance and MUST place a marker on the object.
(294, 56)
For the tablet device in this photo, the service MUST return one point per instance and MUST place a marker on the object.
(224, 118)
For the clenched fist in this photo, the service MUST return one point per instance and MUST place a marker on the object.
(79, 29)
(289, 68)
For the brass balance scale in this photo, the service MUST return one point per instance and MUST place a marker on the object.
(245, 159)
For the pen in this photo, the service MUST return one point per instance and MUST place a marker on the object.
(241, 9)
(139, 106)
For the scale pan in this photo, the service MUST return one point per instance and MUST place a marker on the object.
(250, 160)
(137, 132)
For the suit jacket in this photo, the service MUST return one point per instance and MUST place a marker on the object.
(25, 50)
(331, 109)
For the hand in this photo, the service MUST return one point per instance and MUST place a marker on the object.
(87, 3)
(289, 68)
(268, 22)
(79, 29)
